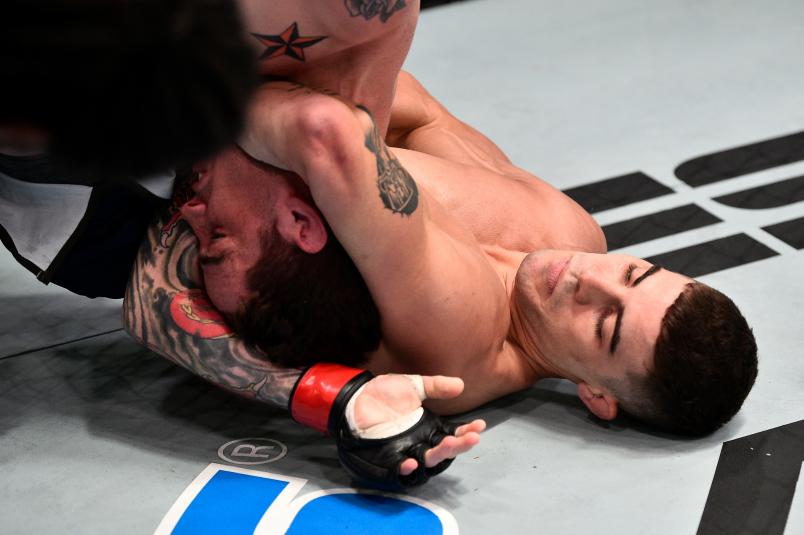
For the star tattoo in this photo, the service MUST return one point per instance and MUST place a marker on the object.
(287, 43)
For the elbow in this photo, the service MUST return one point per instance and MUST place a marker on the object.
(325, 130)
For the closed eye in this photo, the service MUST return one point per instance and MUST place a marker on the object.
(629, 273)
(601, 318)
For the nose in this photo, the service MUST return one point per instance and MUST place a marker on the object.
(597, 288)
(194, 212)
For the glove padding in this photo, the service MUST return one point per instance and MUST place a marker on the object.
(320, 399)
(375, 462)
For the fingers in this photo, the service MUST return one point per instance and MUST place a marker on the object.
(442, 387)
(450, 447)
(476, 426)
(408, 466)
(466, 437)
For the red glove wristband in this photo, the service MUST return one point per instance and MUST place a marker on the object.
(315, 393)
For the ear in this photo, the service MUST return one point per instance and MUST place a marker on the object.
(599, 403)
(300, 223)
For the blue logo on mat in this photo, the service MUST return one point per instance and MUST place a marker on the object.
(232, 500)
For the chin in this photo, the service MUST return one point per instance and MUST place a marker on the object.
(530, 276)
(525, 274)
(226, 302)
(526, 288)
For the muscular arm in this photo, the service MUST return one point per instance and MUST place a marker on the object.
(419, 122)
(441, 303)
(165, 310)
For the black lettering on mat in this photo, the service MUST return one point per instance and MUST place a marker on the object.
(617, 191)
(742, 160)
(754, 483)
(791, 232)
(715, 255)
(657, 225)
(773, 195)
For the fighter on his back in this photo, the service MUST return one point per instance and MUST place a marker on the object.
(478, 269)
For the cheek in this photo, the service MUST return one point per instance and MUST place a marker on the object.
(552, 325)
(220, 294)
(571, 328)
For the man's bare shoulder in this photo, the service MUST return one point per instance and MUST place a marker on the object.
(421, 123)
(290, 32)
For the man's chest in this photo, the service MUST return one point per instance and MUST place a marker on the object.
(509, 213)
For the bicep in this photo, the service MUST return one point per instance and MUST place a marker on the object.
(430, 280)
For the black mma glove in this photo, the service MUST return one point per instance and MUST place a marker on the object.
(320, 400)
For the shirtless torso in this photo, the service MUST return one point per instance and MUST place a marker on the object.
(508, 213)
(442, 275)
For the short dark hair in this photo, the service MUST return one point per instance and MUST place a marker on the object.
(126, 87)
(704, 365)
(307, 308)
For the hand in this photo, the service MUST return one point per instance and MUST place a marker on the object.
(385, 438)
(388, 397)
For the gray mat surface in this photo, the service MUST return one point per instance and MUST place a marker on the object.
(101, 436)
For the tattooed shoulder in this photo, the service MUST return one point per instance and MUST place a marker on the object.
(289, 43)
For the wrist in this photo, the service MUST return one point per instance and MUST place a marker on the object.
(320, 396)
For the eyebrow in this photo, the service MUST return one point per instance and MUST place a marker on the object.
(615, 337)
(648, 273)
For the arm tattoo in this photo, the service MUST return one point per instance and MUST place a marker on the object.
(287, 43)
(165, 310)
(368, 9)
(398, 191)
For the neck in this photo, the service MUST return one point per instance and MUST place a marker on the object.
(526, 346)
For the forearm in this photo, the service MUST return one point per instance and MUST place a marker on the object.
(165, 310)
(161, 310)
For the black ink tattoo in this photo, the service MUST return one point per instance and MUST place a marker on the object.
(287, 43)
(398, 190)
(368, 9)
